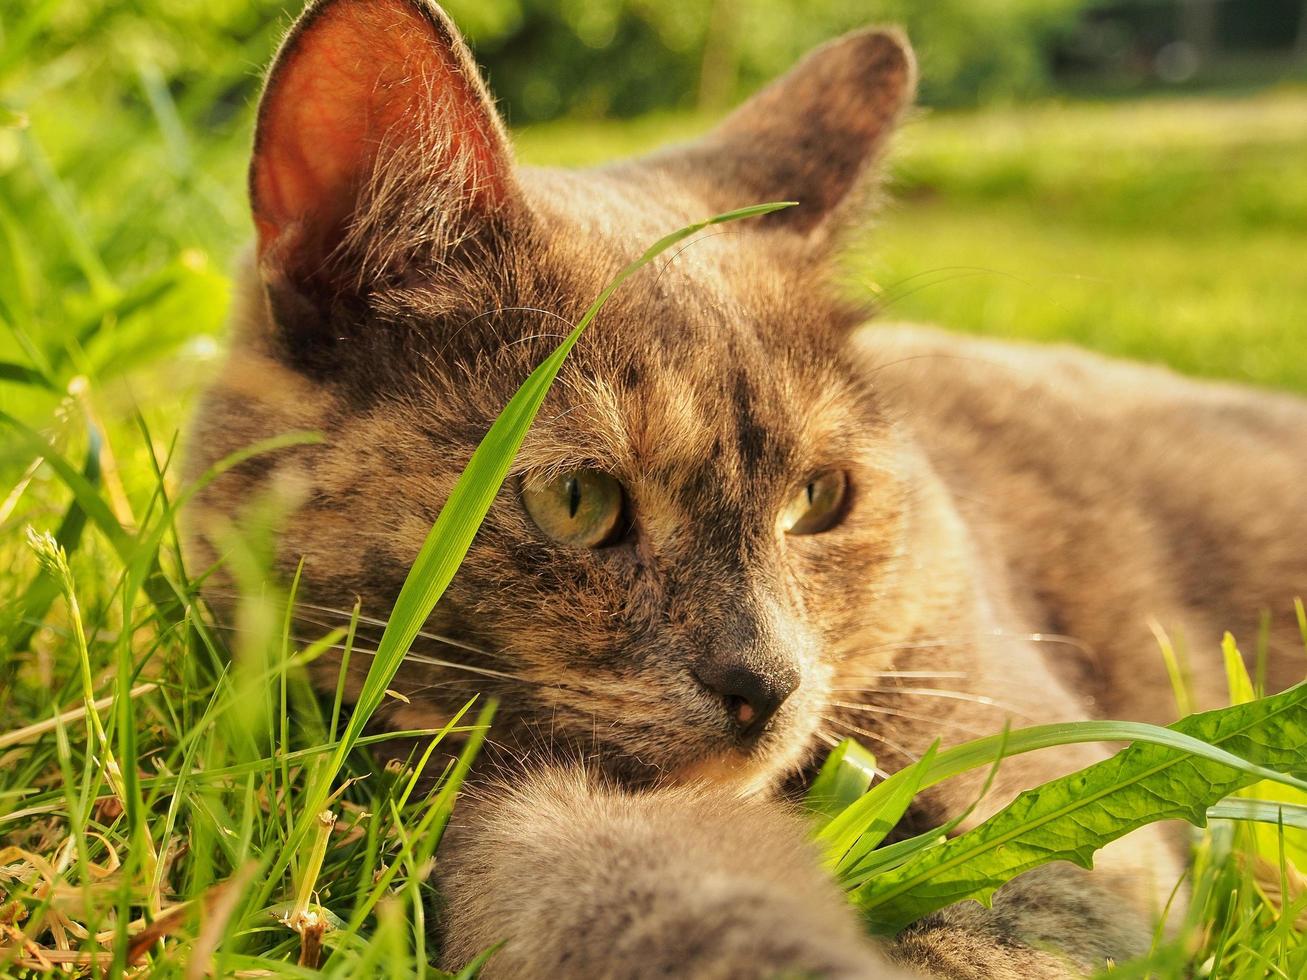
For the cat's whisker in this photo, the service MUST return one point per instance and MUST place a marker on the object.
(346, 615)
(933, 692)
(953, 675)
(519, 309)
(889, 743)
(884, 299)
(423, 634)
(409, 657)
(415, 693)
(536, 336)
(852, 649)
(937, 642)
(875, 709)
(693, 241)
(1062, 638)
(829, 740)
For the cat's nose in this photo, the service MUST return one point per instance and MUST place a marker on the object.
(751, 695)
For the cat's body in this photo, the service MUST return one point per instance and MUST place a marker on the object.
(1119, 498)
(801, 530)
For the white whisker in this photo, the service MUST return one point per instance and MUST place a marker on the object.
(408, 657)
(347, 614)
(436, 662)
(876, 736)
(875, 709)
(932, 692)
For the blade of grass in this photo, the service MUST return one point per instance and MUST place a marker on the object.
(43, 589)
(1260, 811)
(22, 374)
(844, 777)
(1070, 818)
(74, 232)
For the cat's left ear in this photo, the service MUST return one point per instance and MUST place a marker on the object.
(813, 136)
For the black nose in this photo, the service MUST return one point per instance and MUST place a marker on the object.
(751, 695)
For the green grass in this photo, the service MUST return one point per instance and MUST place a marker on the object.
(1164, 230)
(1168, 231)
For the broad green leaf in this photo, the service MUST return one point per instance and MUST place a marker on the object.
(837, 835)
(844, 777)
(1070, 818)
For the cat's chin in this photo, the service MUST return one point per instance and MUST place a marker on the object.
(748, 774)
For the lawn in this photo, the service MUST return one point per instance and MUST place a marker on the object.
(1167, 230)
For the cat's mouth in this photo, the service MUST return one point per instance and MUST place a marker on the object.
(747, 768)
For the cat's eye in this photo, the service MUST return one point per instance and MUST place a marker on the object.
(581, 508)
(817, 505)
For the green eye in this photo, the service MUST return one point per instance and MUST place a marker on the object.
(817, 506)
(581, 508)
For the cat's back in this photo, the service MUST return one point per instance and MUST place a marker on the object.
(1118, 493)
(1024, 402)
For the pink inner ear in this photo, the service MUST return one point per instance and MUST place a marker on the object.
(356, 73)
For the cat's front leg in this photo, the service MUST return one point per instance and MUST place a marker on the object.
(582, 880)
(1055, 922)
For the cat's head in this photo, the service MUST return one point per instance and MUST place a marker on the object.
(709, 502)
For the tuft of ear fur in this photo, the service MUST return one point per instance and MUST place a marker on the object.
(811, 136)
(376, 139)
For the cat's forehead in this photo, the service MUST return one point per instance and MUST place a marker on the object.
(718, 350)
(726, 398)
(732, 283)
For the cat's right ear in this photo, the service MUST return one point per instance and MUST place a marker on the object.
(376, 142)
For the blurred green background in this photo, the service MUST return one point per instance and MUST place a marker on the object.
(1128, 175)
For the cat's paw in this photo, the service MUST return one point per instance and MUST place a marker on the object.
(1054, 923)
(960, 954)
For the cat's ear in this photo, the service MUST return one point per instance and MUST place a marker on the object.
(812, 136)
(374, 123)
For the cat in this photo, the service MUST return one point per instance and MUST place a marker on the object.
(750, 520)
